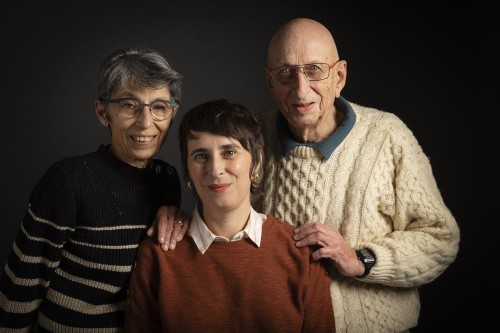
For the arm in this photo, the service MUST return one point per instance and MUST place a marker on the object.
(405, 222)
(318, 308)
(142, 313)
(36, 252)
(169, 232)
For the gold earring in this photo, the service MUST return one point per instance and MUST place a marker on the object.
(254, 178)
(190, 185)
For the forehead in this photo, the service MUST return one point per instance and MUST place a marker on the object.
(303, 43)
(306, 52)
(207, 140)
(135, 90)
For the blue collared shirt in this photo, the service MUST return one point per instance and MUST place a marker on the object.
(325, 147)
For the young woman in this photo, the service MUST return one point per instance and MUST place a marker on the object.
(238, 270)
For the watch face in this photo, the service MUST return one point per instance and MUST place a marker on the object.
(367, 256)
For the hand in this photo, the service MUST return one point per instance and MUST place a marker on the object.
(332, 246)
(168, 231)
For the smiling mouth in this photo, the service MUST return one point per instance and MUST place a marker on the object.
(218, 187)
(142, 138)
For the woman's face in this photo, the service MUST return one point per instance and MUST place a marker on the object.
(135, 140)
(219, 168)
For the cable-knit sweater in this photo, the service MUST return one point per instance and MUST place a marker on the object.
(70, 264)
(377, 188)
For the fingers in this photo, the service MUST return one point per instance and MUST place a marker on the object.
(163, 227)
(307, 234)
(177, 230)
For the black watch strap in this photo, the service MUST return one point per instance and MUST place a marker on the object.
(367, 257)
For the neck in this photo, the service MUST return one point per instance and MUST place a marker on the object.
(321, 129)
(226, 223)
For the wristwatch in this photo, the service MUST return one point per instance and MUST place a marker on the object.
(367, 257)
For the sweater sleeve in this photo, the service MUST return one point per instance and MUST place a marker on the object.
(318, 308)
(141, 310)
(425, 236)
(37, 249)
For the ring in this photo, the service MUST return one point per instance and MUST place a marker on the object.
(179, 222)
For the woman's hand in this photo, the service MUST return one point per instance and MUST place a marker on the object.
(170, 225)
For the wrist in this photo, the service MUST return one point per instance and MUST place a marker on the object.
(367, 258)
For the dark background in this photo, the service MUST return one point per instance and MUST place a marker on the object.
(432, 67)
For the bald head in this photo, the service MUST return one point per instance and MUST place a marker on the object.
(301, 41)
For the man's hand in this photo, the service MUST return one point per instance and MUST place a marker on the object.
(332, 246)
(168, 226)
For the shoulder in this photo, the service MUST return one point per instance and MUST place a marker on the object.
(279, 230)
(162, 166)
(279, 224)
(67, 165)
(381, 121)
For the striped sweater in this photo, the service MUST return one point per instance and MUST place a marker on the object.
(70, 264)
(378, 190)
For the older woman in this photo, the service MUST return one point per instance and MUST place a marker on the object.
(238, 270)
(70, 264)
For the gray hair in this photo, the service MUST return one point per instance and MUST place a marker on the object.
(127, 66)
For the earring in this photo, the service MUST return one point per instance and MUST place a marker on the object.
(190, 185)
(254, 178)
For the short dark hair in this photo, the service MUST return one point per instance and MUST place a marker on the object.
(224, 118)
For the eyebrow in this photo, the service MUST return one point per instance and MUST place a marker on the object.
(223, 147)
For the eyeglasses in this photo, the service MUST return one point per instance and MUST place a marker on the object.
(129, 108)
(313, 72)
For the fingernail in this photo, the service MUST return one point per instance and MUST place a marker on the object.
(172, 246)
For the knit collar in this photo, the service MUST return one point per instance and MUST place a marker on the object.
(203, 237)
(120, 166)
(325, 147)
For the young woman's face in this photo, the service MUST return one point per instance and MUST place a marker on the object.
(219, 168)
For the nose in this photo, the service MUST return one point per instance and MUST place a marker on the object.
(144, 116)
(301, 80)
(216, 167)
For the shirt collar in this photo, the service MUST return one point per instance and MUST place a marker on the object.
(203, 237)
(325, 147)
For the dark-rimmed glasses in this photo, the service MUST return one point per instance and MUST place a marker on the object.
(313, 72)
(129, 107)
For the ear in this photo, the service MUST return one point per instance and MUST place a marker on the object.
(100, 110)
(340, 77)
(269, 78)
(256, 167)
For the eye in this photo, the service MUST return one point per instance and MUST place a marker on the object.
(129, 104)
(159, 107)
(312, 68)
(200, 157)
(284, 71)
(230, 153)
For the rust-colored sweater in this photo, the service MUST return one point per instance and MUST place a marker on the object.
(233, 287)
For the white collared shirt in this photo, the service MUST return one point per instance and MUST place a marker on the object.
(203, 237)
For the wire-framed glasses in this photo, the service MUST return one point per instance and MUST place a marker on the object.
(313, 72)
(129, 107)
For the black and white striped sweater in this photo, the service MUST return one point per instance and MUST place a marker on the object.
(70, 264)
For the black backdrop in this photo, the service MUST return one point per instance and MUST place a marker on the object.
(432, 67)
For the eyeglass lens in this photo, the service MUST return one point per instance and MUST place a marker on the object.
(160, 110)
(314, 72)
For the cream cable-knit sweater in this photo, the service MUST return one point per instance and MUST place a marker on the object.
(378, 189)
